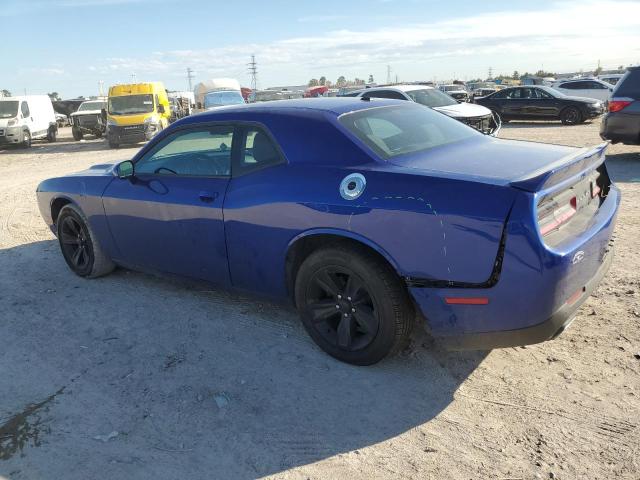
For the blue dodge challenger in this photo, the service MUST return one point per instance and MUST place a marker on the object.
(369, 215)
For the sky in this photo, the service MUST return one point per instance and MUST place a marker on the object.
(69, 46)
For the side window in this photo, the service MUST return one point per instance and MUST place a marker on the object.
(595, 86)
(542, 94)
(25, 109)
(501, 94)
(258, 152)
(201, 152)
(384, 94)
(570, 85)
(514, 94)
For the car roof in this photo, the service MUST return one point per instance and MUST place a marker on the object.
(400, 88)
(335, 105)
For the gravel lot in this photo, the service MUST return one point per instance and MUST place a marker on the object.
(133, 376)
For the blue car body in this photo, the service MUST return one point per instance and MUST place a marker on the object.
(456, 222)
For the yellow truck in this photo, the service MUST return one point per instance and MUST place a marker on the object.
(136, 112)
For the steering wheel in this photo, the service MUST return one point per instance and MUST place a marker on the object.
(159, 169)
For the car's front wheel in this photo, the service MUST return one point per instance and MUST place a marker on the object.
(353, 305)
(79, 245)
(571, 116)
(77, 134)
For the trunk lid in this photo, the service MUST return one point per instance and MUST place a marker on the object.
(491, 160)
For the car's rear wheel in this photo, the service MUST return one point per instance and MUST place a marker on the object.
(77, 134)
(353, 305)
(571, 116)
(79, 245)
(52, 134)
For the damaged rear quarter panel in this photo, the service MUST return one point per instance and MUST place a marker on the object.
(434, 228)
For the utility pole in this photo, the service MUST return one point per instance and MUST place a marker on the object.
(388, 74)
(253, 71)
(133, 77)
(190, 78)
(100, 90)
(490, 73)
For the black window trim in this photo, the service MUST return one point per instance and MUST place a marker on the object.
(242, 145)
(237, 147)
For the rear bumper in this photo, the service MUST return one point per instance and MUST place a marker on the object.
(620, 127)
(538, 289)
(547, 330)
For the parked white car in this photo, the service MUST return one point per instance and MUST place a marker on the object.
(612, 78)
(476, 116)
(27, 118)
(585, 87)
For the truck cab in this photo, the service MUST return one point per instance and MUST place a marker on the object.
(136, 112)
(26, 118)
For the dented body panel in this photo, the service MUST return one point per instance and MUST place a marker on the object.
(456, 218)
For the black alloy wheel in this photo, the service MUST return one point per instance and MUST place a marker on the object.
(341, 308)
(353, 304)
(76, 245)
(571, 116)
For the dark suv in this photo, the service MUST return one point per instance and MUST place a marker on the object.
(622, 122)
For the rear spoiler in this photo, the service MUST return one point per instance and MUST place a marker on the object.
(587, 158)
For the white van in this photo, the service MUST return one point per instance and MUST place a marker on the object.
(27, 118)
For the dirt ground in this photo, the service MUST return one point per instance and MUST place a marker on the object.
(133, 376)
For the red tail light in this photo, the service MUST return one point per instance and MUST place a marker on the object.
(617, 105)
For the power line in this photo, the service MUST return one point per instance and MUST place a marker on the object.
(253, 71)
(190, 78)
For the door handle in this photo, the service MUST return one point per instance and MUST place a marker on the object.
(208, 197)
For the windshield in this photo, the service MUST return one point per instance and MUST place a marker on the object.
(130, 104)
(431, 97)
(8, 108)
(451, 88)
(402, 129)
(92, 106)
(218, 99)
(551, 91)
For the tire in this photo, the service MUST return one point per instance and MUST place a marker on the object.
(26, 139)
(113, 144)
(571, 116)
(52, 134)
(77, 134)
(353, 305)
(75, 235)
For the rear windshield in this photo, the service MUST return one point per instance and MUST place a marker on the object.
(629, 85)
(401, 129)
(431, 97)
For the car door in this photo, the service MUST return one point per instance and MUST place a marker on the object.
(168, 217)
(514, 104)
(27, 119)
(256, 212)
(597, 90)
(547, 106)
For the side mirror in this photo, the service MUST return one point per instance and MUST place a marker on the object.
(160, 108)
(125, 169)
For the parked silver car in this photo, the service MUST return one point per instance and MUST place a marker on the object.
(476, 116)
